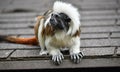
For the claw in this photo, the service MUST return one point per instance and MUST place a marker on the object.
(76, 58)
(57, 59)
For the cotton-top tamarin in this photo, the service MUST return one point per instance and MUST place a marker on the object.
(57, 29)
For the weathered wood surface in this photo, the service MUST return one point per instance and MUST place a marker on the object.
(46, 64)
(100, 37)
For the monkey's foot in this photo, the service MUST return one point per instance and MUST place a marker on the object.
(57, 59)
(76, 58)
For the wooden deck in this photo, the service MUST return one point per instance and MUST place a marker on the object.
(100, 38)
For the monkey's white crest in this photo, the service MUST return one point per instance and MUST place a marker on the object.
(72, 12)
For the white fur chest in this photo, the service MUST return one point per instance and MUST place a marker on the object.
(60, 40)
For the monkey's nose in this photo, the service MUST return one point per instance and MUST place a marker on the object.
(53, 22)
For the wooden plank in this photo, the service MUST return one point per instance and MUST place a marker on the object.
(100, 29)
(115, 42)
(100, 17)
(98, 23)
(17, 25)
(5, 53)
(16, 31)
(18, 15)
(118, 51)
(115, 35)
(97, 12)
(101, 51)
(119, 11)
(95, 43)
(118, 22)
(90, 1)
(16, 46)
(25, 53)
(94, 36)
(4, 4)
(94, 3)
(99, 6)
(46, 64)
(30, 5)
(17, 20)
(99, 1)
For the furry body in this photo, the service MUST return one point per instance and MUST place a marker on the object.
(59, 38)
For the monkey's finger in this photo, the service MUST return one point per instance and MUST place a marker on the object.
(58, 61)
(81, 54)
(75, 58)
(53, 58)
(62, 57)
(78, 59)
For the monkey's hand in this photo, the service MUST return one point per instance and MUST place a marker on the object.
(76, 57)
(57, 58)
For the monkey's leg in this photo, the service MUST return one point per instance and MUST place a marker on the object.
(43, 52)
(57, 56)
(75, 53)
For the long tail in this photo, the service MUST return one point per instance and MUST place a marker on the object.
(20, 40)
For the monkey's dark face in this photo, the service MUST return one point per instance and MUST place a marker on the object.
(60, 21)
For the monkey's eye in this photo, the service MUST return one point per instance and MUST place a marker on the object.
(68, 19)
(56, 16)
(65, 17)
